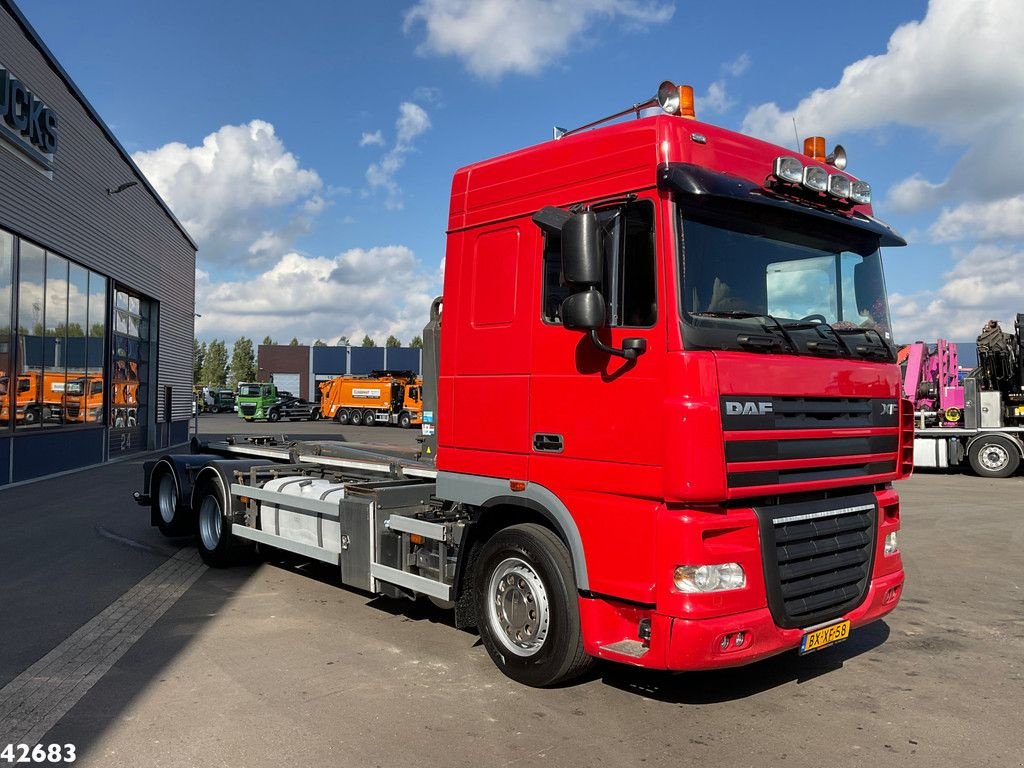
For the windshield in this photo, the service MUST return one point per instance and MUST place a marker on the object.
(754, 284)
(249, 390)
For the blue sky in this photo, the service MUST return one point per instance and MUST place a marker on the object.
(309, 149)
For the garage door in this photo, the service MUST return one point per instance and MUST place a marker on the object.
(288, 382)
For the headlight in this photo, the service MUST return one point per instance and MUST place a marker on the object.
(816, 178)
(839, 186)
(709, 578)
(789, 169)
(891, 543)
(860, 192)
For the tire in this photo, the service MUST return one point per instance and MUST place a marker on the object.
(993, 456)
(368, 420)
(314, 415)
(522, 566)
(274, 416)
(172, 518)
(405, 420)
(342, 416)
(213, 529)
(31, 416)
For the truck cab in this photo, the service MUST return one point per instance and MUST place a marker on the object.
(688, 332)
(255, 399)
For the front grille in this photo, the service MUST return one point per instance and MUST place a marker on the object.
(772, 441)
(72, 410)
(818, 557)
(247, 410)
(770, 412)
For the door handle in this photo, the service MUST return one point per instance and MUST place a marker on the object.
(547, 442)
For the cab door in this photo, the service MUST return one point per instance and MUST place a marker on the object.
(595, 418)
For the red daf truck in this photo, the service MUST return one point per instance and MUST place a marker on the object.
(715, 489)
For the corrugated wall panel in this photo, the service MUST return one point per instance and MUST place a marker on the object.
(128, 236)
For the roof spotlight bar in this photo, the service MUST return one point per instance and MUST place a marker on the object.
(673, 99)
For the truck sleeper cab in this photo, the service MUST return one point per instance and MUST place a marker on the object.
(700, 413)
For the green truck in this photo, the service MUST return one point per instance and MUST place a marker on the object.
(255, 399)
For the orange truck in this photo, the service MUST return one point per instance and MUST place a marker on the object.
(383, 397)
(83, 399)
(38, 397)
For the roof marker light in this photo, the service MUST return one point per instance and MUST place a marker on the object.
(839, 186)
(815, 178)
(860, 192)
(788, 169)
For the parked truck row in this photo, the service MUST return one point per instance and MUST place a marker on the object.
(734, 289)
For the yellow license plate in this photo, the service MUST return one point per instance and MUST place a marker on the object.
(829, 635)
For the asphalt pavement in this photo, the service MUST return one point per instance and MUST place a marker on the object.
(273, 663)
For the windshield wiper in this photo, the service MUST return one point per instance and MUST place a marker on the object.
(748, 340)
(882, 349)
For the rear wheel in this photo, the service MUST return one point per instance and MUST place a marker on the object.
(526, 606)
(994, 456)
(171, 518)
(216, 545)
(342, 417)
(274, 416)
(368, 420)
(314, 415)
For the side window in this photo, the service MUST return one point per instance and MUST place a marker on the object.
(630, 284)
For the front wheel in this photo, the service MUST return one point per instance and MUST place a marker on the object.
(273, 416)
(404, 420)
(526, 601)
(994, 456)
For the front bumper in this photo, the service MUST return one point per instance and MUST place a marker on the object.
(696, 644)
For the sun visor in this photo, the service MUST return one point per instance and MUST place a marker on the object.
(705, 187)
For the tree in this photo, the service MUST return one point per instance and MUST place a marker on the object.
(294, 342)
(392, 342)
(268, 342)
(319, 343)
(343, 341)
(243, 362)
(198, 355)
(215, 364)
(368, 342)
(416, 343)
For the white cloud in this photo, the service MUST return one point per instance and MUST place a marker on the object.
(737, 66)
(412, 122)
(495, 37)
(958, 71)
(375, 139)
(717, 99)
(914, 194)
(996, 220)
(377, 291)
(229, 186)
(985, 283)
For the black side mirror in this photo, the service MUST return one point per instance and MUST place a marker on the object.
(584, 311)
(582, 262)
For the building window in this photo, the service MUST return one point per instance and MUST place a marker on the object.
(6, 308)
(57, 359)
(129, 371)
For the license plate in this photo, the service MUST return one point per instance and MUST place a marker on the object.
(819, 638)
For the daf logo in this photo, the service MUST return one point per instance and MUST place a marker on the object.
(748, 408)
(888, 409)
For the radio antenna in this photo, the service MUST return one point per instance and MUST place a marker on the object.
(796, 135)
